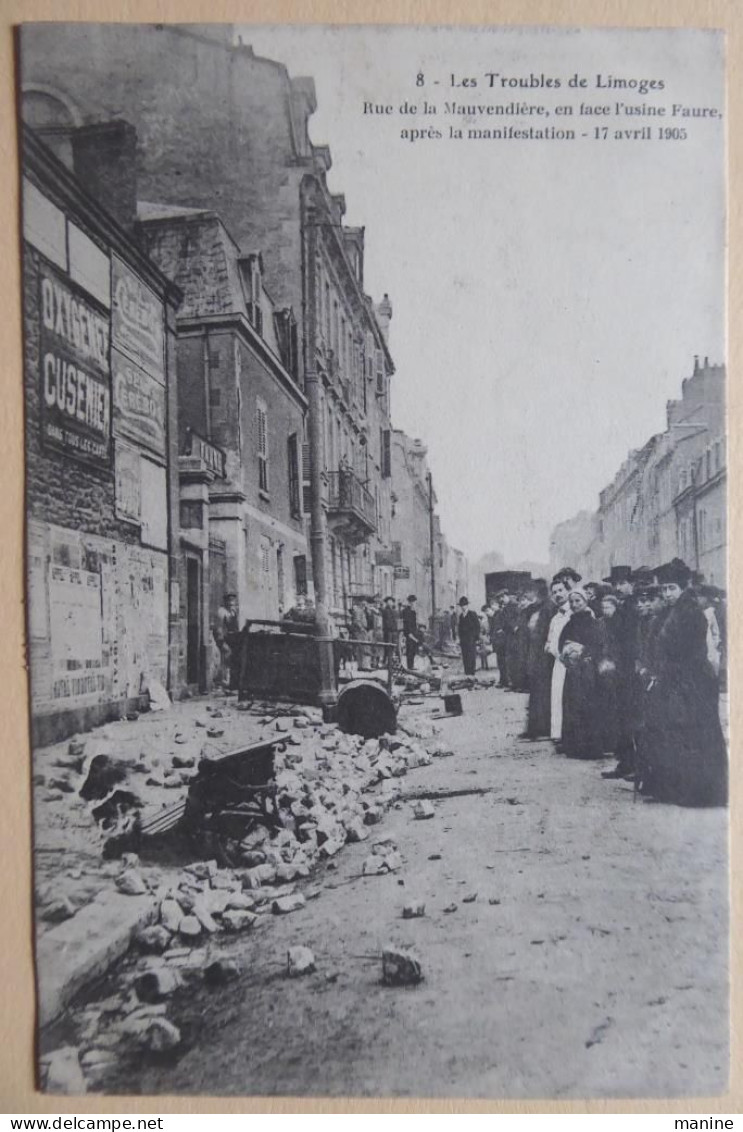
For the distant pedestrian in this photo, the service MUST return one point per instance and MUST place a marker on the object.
(468, 630)
(390, 629)
(453, 622)
(410, 631)
(226, 635)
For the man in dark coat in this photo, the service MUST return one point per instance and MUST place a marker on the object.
(469, 635)
(410, 631)
(539, 664)
(390, 630)
(511, 611)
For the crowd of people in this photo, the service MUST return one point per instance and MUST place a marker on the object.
(631, 666)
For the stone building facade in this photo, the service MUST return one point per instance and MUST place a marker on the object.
(224, 130)
(669, 498)
(241, 415)
(101, 450)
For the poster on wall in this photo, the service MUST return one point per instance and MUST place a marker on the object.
(137, 320)
(139, 404)
(128, 483)
(75, 373)
(76, 637)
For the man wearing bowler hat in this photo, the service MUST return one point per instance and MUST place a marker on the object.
(469, 635)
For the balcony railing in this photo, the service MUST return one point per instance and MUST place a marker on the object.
(348, 498)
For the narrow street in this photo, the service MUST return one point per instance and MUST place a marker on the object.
(591, 960)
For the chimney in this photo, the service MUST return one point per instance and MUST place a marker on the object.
(696, 363)
(104, 159)
(384, 316)
(706, 361)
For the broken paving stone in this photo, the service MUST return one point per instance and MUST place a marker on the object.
(450, 908)
(400, 967)
(215, 732)
(58, 911)
(470, 898)
(131, 883)
(286, 904)
(413, 910)
(63, 1072)
(171, 914)
(374, 866)
(493, 900)
(239, 902)
(190, 927)
(157, 984)
(423, 810)
(183, 762)
(434, 856)
(393, 861)
(161, 1036)
(239, 919)
(95, 1061)
(299, 961)
(153, 939)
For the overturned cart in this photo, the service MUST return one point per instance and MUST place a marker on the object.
(230, 795)
(280, 660)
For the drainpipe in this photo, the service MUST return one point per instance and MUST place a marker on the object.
(318, 520)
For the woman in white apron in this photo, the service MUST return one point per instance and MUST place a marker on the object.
(559, 593)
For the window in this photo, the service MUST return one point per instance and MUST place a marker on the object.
(300, 574)
(262, 423)
(380, 374)
(295, 500)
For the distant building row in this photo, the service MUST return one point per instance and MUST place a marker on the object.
(668, 498)
(189, 282)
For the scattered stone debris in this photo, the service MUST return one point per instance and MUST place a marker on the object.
(423, 810)
(286, 904)
(299, 961)
(222, 970)
(62, 1073)
(132, 883)
(400, 967)
(450, 908)
(413, 909)
(470, 898)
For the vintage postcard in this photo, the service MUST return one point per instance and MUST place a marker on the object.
(376, 559)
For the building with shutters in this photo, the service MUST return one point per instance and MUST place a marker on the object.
(241, 415)
(105, 623)
(223, 130)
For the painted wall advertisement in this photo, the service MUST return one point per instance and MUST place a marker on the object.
(137, 321)
(75, 373)
(139, 404)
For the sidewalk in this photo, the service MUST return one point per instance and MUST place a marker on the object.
(84, 921)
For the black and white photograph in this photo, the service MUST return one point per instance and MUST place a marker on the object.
(376, 559)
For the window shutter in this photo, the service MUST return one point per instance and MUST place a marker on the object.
(305, 475)
(386, 454)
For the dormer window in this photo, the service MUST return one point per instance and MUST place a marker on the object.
(251, 272)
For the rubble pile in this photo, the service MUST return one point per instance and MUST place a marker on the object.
(331, 789)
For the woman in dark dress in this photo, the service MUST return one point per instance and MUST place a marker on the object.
(690, 764)
(580, 645)
(609, 633)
